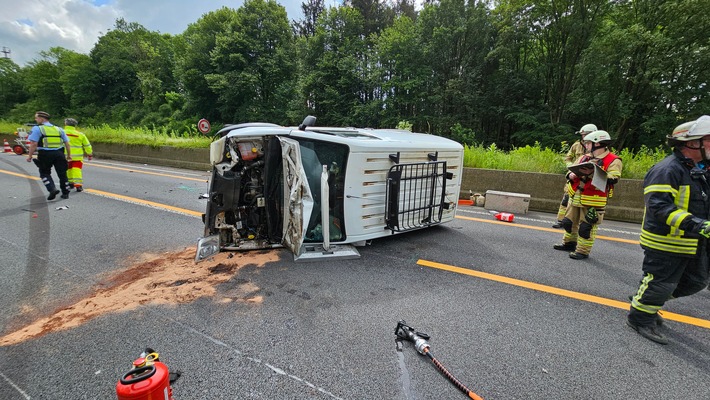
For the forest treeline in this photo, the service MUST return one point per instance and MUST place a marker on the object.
(510, 72)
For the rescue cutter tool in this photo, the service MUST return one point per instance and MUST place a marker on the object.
(420, 340)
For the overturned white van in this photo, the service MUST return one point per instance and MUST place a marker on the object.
(319, 191)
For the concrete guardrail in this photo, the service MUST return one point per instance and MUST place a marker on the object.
(545, 190)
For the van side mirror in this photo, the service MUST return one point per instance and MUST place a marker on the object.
(308, 121)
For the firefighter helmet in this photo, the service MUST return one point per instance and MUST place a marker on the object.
(691, 130)
(599, 137)
(587, 129)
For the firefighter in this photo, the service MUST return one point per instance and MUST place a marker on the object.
(675, 227)
(49, 141)
(80, 147)
(587, 202)
(576, 150)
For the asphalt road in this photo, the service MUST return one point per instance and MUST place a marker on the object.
(508, 316)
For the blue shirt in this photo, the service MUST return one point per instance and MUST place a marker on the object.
(36, 135)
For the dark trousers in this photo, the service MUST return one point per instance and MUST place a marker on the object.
(666, 276)
(46, 159)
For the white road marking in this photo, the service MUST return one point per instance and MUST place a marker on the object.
(22, 392)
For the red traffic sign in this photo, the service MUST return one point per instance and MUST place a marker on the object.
(203, 125)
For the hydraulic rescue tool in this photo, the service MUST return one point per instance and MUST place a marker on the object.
(406, 332)
(148, 379)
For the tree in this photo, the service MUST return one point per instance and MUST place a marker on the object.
(253, 64)
(11, 86)
(333, 85)
(312, 9)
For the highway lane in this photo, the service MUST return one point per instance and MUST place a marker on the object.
(278, 329)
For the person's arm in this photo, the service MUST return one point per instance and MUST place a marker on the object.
(67, 145)
(31, 150)
(88, 150)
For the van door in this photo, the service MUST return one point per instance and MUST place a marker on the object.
(298, 200)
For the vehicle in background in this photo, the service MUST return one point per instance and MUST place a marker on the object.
(319, 191)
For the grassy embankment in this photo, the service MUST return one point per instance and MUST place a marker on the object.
(528, 158)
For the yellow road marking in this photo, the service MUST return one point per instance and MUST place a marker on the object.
(148, 172)
(20, 175)
(539, 228)
(559, 292)
(144, 202)
(128, 199)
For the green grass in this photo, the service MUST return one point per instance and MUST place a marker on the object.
(139, 136)
(538, 159)
(529, 158)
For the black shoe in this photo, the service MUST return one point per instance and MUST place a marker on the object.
(565, 246)
(578, 256)
(649, 332)
(79, 189)
(558, 225)
(65, 195)
(53, 194)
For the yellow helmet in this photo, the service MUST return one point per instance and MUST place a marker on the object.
(692, 130)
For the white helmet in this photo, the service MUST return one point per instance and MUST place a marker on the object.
(601, 137)
(692, 130)
(589, 128)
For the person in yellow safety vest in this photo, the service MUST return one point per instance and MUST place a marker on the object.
(576, 150)
(49, 142)
(586, 209)
(675, 229)
(80, 147)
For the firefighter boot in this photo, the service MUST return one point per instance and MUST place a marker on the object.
(578, 256)
(565, 246)
(649, 332)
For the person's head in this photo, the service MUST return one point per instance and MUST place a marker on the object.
(586, 130)
(691, 139)
(597, 142)
(41, 117)
(70, 122)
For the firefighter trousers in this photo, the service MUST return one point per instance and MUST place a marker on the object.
(666, 276)
(579, 229)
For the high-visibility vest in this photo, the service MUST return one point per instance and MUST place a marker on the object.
(50, 137)
(78, 142)
(591, 196)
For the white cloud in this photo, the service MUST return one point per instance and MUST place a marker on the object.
(31, 26)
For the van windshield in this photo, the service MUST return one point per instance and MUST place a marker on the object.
(314, 155)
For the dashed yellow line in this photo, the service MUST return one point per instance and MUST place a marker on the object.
(539, 228)
(559, 292)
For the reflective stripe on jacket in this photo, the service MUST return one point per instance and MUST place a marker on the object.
(591, 196)
(51, 137)
(676, 202)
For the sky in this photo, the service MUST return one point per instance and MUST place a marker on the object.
(30, 26)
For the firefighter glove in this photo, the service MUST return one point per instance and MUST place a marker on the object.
(593, 217)
(704, 229)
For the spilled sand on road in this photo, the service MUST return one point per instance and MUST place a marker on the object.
(170, 278)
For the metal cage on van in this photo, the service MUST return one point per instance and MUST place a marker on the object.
(415, 196)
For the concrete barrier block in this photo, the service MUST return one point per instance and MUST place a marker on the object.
(516, 203)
